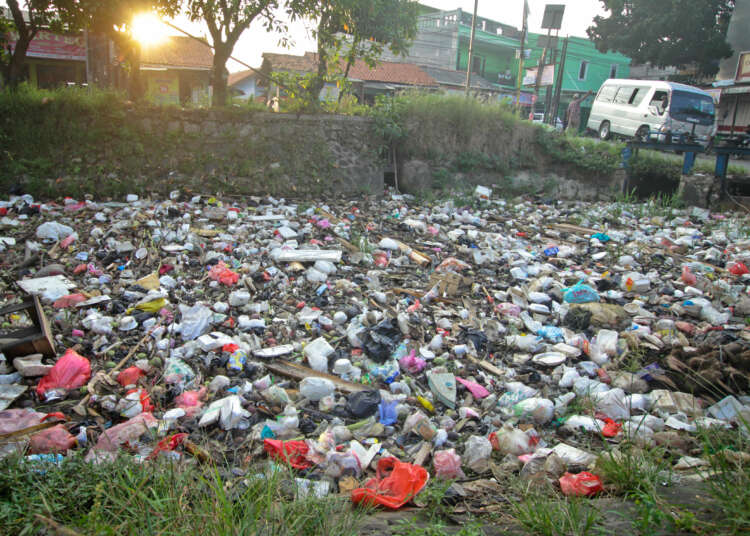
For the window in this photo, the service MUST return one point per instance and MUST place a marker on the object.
(613, 71)
(623, 96)
(637, 96)
(607, 94)
(583, 70)
(477, 65)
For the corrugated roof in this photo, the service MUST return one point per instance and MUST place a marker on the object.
(235, 78)
(449, 77)
(291, 63)
(391, 72)
(179, 51)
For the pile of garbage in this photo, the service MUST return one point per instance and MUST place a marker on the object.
(371, 344)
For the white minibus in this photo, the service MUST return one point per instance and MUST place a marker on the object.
(653, 110)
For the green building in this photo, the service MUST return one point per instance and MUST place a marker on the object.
(585, 69)
(443, 38)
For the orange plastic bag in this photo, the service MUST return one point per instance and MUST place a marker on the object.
(221, 273)
(394, 489)
(291, 452)
(70, 372)
(130, 376)
(583, 484)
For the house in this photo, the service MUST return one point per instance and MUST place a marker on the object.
(732, 85)
(178, 71)
(52, 59)
(452, 81)
(245, 85)
(387, 77)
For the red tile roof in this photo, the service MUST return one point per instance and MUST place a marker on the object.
(179, 51)
(393, 73)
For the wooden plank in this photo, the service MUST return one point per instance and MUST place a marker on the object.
(300, 372)
(486, 365)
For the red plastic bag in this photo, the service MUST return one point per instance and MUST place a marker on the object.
(395, 489)
(583, 484)
(611, 428)
(292, 452)
(55, 439)
(68, 301)
(70, 372)
(447, 464)
(688, 277)
(167, 444)
(130, 376)
(739, 268)
(221, 273)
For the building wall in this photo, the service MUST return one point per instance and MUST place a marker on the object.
(250, 88)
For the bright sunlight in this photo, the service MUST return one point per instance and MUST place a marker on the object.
(148, 29)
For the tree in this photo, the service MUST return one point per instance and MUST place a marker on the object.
(27, 19)
(226, 20)
(666, 32)
(352, 29)
(114, 18)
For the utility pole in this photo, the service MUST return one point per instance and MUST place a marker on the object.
(471, 47)
(540, 67)
(524, 28)
(559, 82)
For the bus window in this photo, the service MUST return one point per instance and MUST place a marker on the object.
(607, 94)
(623, 96)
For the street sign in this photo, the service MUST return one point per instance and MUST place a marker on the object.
(553, 15)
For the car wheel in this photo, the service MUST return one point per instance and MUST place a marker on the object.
(642, 134)
(604, 132)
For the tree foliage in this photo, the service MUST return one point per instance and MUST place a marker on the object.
(114, 19)
(226, 21)
(666, 32)
(352, 29)
(27, 19)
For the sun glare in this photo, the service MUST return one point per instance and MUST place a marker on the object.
(148, 29)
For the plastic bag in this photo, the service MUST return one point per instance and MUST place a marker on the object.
(387, 412)
(130, 376)
(510, 440)
(68, 301)
(580, 293)
(52, 230)
(196, 321)
(190, 401)
(70, 372)
(168, 444)
(220, 272)
(292, 452)
(364, 403)
(477, 453)
(447, 464)
(412, 364)
(314, 389)
(395, 484)
(126, 432)
(51, 440)
(476, 390)
(738, 268)
(583, 484)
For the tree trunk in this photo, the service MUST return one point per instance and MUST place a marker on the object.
(317, 83)
(136, 88)
(14, 70)
(219, 76)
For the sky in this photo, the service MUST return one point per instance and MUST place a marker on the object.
(578, 16)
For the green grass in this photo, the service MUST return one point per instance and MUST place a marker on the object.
(162, 497)
(541, 514)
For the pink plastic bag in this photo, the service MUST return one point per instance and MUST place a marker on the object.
(55, 439)
(476, 390)
(190, 401)
(412, 364)
(12, 420)
(68, 301)
(70, 372)
(126, 432)
(447, 464)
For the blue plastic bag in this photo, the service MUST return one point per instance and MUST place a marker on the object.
(551, 333)
(387, 412)
(580, 293)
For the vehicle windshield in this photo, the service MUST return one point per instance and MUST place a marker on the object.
(692, 107)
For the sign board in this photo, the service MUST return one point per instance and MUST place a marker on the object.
(743, 68)
(548, 76)
(48, 45)
(553, 15)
